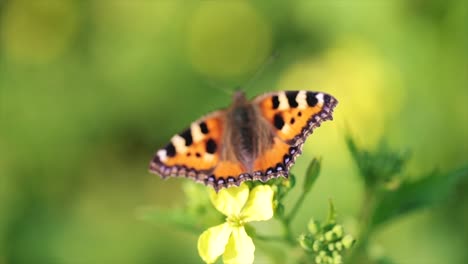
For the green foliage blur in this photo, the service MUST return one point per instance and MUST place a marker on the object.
(89, 90)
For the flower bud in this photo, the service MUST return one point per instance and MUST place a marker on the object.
(329, 236)
(316, 246)
(313, 226)
(306, 242)
(312, 174)
(339, 246)
(337, 259)
(338, 231)
(348, 241)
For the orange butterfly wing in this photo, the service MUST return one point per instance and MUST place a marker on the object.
(194, 153)
(293, 116)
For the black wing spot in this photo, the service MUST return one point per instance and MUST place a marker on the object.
(278, 121)
(211, 146)
(292, 150)
(211, 179)
(275, 101)
(170, 150)
(292, 98)
(221, 181)
(311, 99)
(292, 121)
(189, 154)
(299, 113)
(198, 155)
(187, 135)
(279, 167)
(204, 128)
(269, 171)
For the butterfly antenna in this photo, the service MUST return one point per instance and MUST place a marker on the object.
(225, 90)
(267, 62)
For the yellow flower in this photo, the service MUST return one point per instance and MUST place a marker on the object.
(230, 239)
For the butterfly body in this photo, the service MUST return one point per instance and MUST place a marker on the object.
(246, 133)
(250, 140)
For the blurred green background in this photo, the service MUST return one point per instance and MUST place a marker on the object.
(90, 89)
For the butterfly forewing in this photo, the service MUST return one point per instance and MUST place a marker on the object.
(294, 114)
(194, 152)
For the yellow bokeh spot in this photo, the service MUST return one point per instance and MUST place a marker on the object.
(227, 38)
(37, 32)
(368, 89)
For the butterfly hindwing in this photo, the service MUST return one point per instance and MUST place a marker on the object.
(273, 162)
(193, 153)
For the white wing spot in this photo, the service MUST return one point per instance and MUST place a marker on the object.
(162, 155)
(179, 144)
(283, 101)
(301, 100)
(286, 128)
(319, 97)
(197, 135)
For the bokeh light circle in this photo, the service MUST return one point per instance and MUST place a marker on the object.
(37, 32)
(369, 90)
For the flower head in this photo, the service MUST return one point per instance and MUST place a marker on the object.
(230, 238)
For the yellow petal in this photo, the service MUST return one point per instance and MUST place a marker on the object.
(212, 242)
(259, 207)
(240, 248)
(230, 201)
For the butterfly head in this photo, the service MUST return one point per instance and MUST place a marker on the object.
(239, 98)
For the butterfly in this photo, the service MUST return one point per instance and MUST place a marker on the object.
(250, 140)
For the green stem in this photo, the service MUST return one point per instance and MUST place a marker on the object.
(371, 199)
(296, 207)
(271, 238)
(287, 232)
(275, 238)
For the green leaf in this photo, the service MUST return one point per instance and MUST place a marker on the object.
(410, 196)
(312, 174)
(377, 166)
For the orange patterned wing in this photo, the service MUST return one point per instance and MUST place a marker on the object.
(195, 152)
(293, 116)
(228, 173)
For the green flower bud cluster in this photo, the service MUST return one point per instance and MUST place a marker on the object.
(379, 167)
(326, 242)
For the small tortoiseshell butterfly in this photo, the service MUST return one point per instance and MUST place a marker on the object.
(251, 140)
